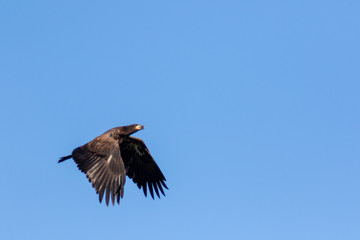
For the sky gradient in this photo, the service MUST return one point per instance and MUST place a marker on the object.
(251, 110)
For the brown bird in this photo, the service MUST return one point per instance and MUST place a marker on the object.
(109, 157)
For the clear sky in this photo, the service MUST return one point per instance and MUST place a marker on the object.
(251, 110)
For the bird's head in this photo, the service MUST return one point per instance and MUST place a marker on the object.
(130, 129)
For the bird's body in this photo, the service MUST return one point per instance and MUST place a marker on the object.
(108, 158)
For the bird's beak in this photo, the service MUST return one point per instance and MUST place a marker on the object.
(139, 127)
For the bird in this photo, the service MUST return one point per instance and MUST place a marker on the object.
(110, 157)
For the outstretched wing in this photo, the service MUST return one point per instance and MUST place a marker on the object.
(141, 167)
(101, 161)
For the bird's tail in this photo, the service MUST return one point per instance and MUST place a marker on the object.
(64, 158)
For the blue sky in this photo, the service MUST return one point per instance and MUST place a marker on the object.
(251, 110)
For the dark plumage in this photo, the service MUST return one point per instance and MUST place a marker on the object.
(109, 157)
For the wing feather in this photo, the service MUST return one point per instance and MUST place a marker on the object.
(156, 189)
(151, 189)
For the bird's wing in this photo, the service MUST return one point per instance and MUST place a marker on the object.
(141, 167)
(101, 161)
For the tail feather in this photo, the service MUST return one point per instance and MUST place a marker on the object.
(64, 158)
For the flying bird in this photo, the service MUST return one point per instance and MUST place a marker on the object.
(108, 158)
